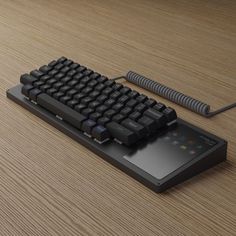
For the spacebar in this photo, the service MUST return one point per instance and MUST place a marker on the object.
(58, 108)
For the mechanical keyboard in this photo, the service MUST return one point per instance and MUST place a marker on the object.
(139, 135)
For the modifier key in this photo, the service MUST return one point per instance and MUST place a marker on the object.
(121, 133)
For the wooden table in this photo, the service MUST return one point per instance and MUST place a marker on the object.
(51, 185)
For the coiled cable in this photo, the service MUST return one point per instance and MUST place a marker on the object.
(173, 95)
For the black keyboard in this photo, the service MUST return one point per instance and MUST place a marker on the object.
(101, 108)
(135, 133)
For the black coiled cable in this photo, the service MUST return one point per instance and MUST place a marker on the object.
(173, 95)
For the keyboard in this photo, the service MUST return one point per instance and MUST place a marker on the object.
(136, 133)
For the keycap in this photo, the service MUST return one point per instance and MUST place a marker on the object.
(79, 107)
(132, 103)
(135, 115)
(102, 79)
(36, 73)
(140, 108)
(170, 114)
(133, 94)
(102, 108)
(118, 118)
(33, 93)
(87, 111)
(88, 125)
(94, 75)
(79, 96)
(71, 73)
(74, 65)
(137, 128)
(57, 95)
(109, 102)
(149, 123)
(27, 79)
(159, 106)
(57, 108)
(150, 102)
(121, 133)
(26, 88)
(141, 98)
(126, 111)
(65, 99)
(59, 66)
(52, 63)
(95, 116)
(123, 99)
(157, 116)
(109, 83)
(72, 103)
(68, 62)
(109, 113)
(44, 87)
(62, 59)
(93, 104)
(51, 91)
(45, 69)
(103, 120)
(125, 90)
(117, 86)
(100, 133)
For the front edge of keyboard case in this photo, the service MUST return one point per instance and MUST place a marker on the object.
(114, 153)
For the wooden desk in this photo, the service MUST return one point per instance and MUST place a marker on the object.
(51, 185)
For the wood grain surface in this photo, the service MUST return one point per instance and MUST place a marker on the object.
(51, 185)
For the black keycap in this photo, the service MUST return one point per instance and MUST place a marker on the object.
(157, 116)
(72, 83)
(115, 95)
(33, 93)
(37, 74)
(118, 106)
(52, 63)
(121, 133)
(65, 99)
(126, 111)
(150, 102)
(51, 81)
(100, 87)
(93, 104)
(170, 114)
(87, 72)
(102, 79)
(88, 125)
(102, 98)
(109, 83)
(140, 108)
(100, 133)
(28, 79)
(59, 66)
(149, 123)
(133, 94)
(125, 90)
(57, 95)
(138, 129)
(65, 88)
(79, 107)
(123, 99)
(65, 69)
(26, 88)
(117, 86)
(109, 113)
(118, 118)
(94, 94)
(135, 115)
(159, 106)
(110, 102)
(53, 72)
(59, 76)
(72, 92)
(79, 87)
(71, 72)
(45, 69)
(58, 85)
(37, 84)
(85, 80)
(68, 62)
(92, 83)
(44, 87)
(101, 109)
(87, 90)
(132, 103)
(79, 96)
(95, 116)
(86, 100)
(81, 69)
(61, 60)
(78, 76)
(51, 91)
(45, 78)
(72, 103)
(103, 121)
(107, 91)
(66, 79)
(141, 98)
(95, 75)
(65, 112)
(74, 66)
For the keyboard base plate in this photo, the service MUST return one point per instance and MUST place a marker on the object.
(159, 163)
